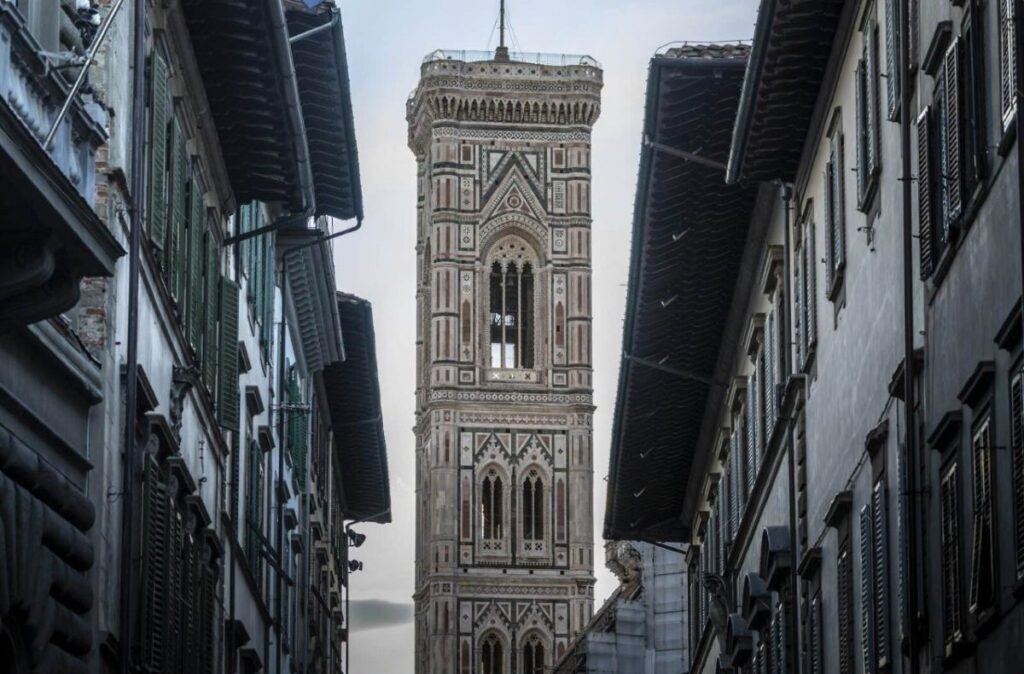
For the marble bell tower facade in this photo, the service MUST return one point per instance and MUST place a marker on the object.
(504, 454)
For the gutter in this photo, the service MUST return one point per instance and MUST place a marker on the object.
(281, 46)
(751, 83)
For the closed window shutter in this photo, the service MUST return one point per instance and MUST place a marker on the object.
(863, 121)
(867, 599)
(814, 647)
(764, 386)
(950, 530)
(156, 557)
(831, 236)
(175, 263)
(953, 135)
(228, 403)
(771, 379)
(752, 440)
(160, 111)
(902, 598)
(894, 74)
(983, 573)
(236, 477)
(811, 299)
(874, 144)
(190, 599)
(844, 598)
(735, 449)
(778, 653)
(208, 618)
(1017, 430)
(1007, 62)
(839, 199)
(924, 193)
(880, 574)
(211, 310)
(176, 615)
(196, 235)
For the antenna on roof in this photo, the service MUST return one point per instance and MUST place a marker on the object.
(501, 53)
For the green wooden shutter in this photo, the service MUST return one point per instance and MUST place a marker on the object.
(160, 114)
(197, 235)
(949, 501)
(844, 592)
(874, 106)
(156, 557)
(880, 574)
(1017, 449)
(954, 172)
(189, 602)
(211, 312)
(1007, 62)
(839, 198)
(227, 388)
(176, 249)
(208, 618)
(176, 590)
(894, 76)
(752, 440)
(861, 99)
(924, 193)
(867, 633)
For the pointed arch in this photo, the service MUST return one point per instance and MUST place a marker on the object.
(492, 656)
(532, 505)
(492, 503)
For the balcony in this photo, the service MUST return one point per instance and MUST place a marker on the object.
(536, 58)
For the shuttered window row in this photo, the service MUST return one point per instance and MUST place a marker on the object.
(984, 577)
(257, 256)
(179, 581)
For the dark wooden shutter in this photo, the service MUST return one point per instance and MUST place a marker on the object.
(208, 618)
(867, 635)
(155, 559)
(844, 599)
(861, 100)
(1007, 62)
(953, 135)
(1017, 449)
(894, 74)
(176, 589)
(211, 313)
(160, 111)
(811, 299)
(880, 575)
(772, 377)
(227, 381)
(752, 440)
(874, 104)
(839, 199)
(814, 657)
(950, 542)
(924, 193)
(196, 258)
(174, 264)
(190, 598)
(903, 490)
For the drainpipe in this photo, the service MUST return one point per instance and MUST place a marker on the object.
(129, 558)
(794, 589)
(910, 498)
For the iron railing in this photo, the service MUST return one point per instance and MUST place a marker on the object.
(537, 58)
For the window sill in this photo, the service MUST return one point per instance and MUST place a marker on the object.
(1009, 135)
(956, 651)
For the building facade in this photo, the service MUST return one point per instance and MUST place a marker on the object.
(213, 536)
(504, 550)
(851, 474)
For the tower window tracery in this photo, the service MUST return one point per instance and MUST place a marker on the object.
(533, 655)
(491, 655)
(533, 507)
(492, 506)
(512, 305)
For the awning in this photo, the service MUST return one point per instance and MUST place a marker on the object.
(245, 60)
(310, 302)
(322, 72)
(793, 43)
(353, 397)
(689, 232)
(50, 237)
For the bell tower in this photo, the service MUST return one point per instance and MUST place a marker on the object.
(504, 549)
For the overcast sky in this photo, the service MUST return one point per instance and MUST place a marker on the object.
(387, 40)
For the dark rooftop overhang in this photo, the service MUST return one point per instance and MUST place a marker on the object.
(689, 233)
(353, 399)
(321, 68)
(245, 59)
(793, 44)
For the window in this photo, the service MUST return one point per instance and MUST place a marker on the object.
(254, 508)
(874, 581)
(835, 214)
(533, 507)
(754, 428)
(983, 555)
(533, 655)
(296, 428)
(815, 664)
(868, 150)
(1007, 62)
(928, 188)
(512, 304)
(1017, 440)
(949, 498)
(491, 656)
(972, 88)
(844, 599)
(492, 507)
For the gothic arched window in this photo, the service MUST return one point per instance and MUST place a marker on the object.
(511, 305)
(492, 506)
(533, 507)
(533, 655)
(491, 656)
